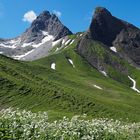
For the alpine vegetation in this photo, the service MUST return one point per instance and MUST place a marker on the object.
(94, 72)
(16, 124)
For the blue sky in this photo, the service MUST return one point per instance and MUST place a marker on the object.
(75, 14)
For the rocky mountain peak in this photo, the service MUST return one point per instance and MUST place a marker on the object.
(105, 27)
(110, 36)
(44, 17)
(45, 22)
(37, 41)
(45, 13)
(101, 11)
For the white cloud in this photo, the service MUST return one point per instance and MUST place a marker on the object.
(30, 16)
(57, 13)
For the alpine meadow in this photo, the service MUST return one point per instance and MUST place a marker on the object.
(59, 85)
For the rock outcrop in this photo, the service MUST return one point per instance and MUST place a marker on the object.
(107, 31)
(112, 31)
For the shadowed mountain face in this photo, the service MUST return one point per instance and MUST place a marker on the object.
(104, 27)
(111, 33)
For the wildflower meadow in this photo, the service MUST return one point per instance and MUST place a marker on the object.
(25, 125)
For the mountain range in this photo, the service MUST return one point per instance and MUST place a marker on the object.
(94, 72)
(31, 45)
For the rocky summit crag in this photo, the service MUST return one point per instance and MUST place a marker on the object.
(116, 39)
(48, 23)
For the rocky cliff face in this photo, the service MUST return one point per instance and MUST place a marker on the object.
(112, 31)
(110, 44)
(108, 40)
(104, 27)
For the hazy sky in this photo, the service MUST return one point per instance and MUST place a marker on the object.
(17, 15)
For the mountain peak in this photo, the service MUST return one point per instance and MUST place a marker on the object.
(101, 11)
(45, 13)
(111, 31)
(105, 27)
(43, 16)
(45, 22)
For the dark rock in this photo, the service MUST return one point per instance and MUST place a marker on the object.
(104, 27)
(97, 54)
(111, 31)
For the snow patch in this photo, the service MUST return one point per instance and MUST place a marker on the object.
(18, 57)
(53, 66)
(15, 41)
(63, 41)
(44, 33)
(104, 73)
(134, 84)
(67, 42)
(56, 42)
(66, 47)
(72, 41)
(56, 49)
(8, 46)
(97, 87)
(11, 43)
(71, 62)
(26, 44)
(44, 40)
(1, 52)
(113, 49)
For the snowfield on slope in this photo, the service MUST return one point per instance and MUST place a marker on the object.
(67, 42)
(54, 43)
(64, 40)
(56, 49)
(18, 57)
(134, 84)
(11, 43)
(113, 49)
(71, 62)
(98, 87)
(53, 66)
(39, 52)
(44, 40)
(104, 73)
(72, 42)
(29, 51)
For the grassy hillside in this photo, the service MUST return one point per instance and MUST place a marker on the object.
(68, 90)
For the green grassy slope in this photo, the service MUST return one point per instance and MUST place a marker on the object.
(67, 90)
